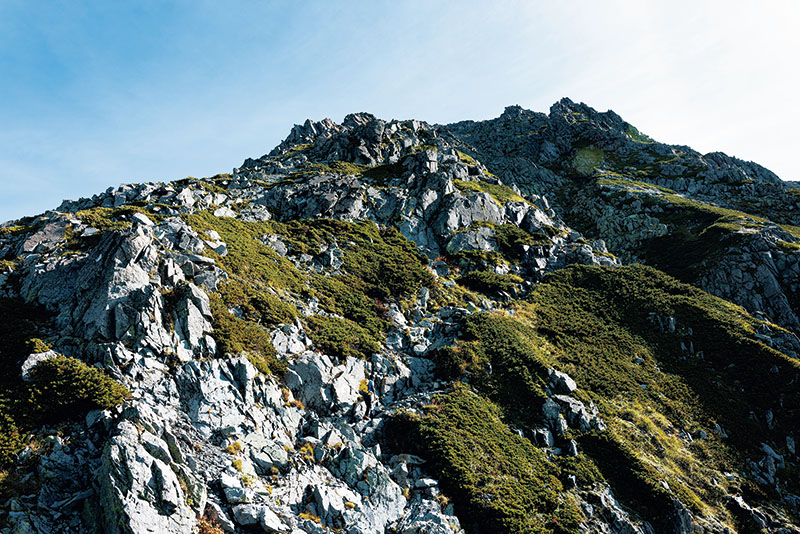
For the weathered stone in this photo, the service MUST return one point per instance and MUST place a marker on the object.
(32, 360)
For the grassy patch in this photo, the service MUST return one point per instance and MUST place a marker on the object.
(611, 178)
(296, 149)
(37, 346)
(380, 175)
(636, 136)
(481, 259)
(423, 148)
(380, 264)
(511, 238)
(701, 233)
(598, 320)
(466, 158)
(588, 159)
(235, 335)
(105, 220)
(498, 481)
(386, 262)
(794, 230)
(259, 306)
(500, 193)
(489, 282)
(338, 167)
(504, 358)
(16, 229)
(258, 279)
(788, 246)
(248, 258)
(342, 337)
(595, 324)
(346, 295)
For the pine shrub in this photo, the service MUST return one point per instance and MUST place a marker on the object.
(64, 385)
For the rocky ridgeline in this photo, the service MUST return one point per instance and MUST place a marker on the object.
(539, 150)
(615, 184)
(207, 441)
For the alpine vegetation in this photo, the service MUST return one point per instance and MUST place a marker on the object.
(540, 323)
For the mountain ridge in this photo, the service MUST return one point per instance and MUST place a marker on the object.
(532, 375)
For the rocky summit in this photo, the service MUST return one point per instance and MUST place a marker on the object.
(568, 326)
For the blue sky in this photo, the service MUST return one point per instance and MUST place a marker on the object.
(94, 94)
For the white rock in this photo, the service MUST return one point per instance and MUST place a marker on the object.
(142, 219)
(32, 360)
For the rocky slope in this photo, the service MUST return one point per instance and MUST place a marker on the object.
(711, 220)
(187, 357)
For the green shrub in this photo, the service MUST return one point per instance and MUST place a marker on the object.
(636, 136)
(633, 481)
(588, 159)
(342, 337)
(499, 482)
(235, 336)
(66, 386)
(10, 440)
(381, 174)
(478, 259)
(380, 264)
(389, 265)
(581, 467)
(489, 282)
(256, 273)
(37, 346)
(262, 307)
(248, 260)
(16, 229)
(595, 324)
(598, 322)
(346, 295)
(511, 238)
(514, 354)
(595, 315)
(105, 219)
(19, 329)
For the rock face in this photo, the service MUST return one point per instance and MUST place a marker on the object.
(137, 282)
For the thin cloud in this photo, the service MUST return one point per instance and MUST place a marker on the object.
(100, 94)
